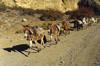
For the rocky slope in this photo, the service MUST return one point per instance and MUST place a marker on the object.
(61, 5)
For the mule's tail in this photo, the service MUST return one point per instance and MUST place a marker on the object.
(45, 40)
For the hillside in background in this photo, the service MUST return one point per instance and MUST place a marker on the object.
(60, 5)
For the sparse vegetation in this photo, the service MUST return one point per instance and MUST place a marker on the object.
(98, 20)
(10, 15)
(19, 31)
(2, 7)
(12, 25)
(44, 26)
(81, 12)
(51, 14)
(46, 14)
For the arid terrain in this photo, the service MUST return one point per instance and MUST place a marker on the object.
(79, 48)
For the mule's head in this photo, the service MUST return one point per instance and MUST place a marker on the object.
(49, 27)
(26, 32)
(63, 24)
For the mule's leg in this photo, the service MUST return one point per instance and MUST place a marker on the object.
(65, 32)
(58, 36)
(30, 46)
(69, 31)
(30, 43)
(90, 24)
(56, 39)
(43, 43)
(36, 44)
(50, 39)
(77, 26)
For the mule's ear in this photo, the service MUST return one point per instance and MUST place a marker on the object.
(49, 23)
(28, 25)
(20, 24)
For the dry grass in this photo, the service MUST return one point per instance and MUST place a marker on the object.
(44, 26)
(19, 31)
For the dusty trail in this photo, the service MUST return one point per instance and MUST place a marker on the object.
(80, 48)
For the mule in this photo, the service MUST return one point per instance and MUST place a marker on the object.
(78, 24)
(54, 30)
(34, 34)
(93, 19)
(66, 28)
(89, 21)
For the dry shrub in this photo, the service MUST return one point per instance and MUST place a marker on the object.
(51, 14)
(81, 12)
(19, 31)
(28, 11)
(46, 14)
(2, 7)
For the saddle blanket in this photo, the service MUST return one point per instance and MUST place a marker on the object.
(39, 30)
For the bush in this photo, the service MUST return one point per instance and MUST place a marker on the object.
(98, 20)
(51, 14)
(46, 14)
(44, 26)
(81, 12)
(2, 7)
(19, 31)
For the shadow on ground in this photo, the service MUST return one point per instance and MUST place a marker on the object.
(23, 48)
(20, 48)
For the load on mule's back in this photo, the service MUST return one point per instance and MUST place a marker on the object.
(54, 30)
(38, 30)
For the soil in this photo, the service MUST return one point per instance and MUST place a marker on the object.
(79, 48)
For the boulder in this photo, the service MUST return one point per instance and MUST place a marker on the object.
(24, 20)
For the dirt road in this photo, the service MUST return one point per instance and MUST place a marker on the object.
(80, 48)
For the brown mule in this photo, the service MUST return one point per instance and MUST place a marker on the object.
(54, 31)
(34, 35)
(89, 21)
(66, 28)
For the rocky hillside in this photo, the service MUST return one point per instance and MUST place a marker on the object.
(61, 5)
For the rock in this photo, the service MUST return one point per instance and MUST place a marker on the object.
(71, 62)
(5, 21)
(8, 25)
(24, 20)
(62, 61)
(7, 37)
